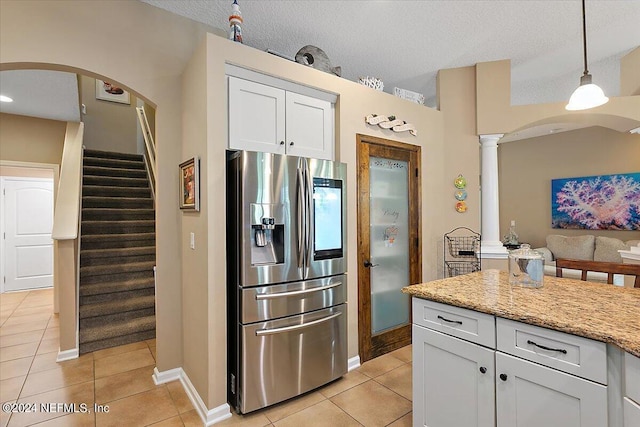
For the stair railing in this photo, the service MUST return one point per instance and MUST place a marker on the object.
(66, 227)
(150, 149)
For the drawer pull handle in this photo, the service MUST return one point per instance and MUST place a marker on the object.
(457, 322)
(483, 369)
(561, 350)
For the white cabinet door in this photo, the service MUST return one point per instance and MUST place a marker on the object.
(309, 127)
(256, 117)
(453, 381)
(531, 395)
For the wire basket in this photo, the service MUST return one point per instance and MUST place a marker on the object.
(463, 247)
(457, 268)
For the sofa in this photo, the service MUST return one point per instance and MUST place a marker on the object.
(586, 247)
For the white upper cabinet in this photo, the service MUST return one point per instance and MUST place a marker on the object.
(269, 119)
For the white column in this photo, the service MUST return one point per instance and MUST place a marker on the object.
(490, 246)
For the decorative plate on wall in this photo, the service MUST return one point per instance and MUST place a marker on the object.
(460, 182)
(461, 207)
(461, 194)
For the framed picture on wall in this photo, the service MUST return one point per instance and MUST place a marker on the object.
(604, 202)
(107, 91)
(190, 184)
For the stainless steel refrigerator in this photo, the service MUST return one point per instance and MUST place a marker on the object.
(286, 281)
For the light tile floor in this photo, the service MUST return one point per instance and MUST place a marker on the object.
(376, 394)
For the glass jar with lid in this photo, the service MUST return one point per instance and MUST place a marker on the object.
(526, 267)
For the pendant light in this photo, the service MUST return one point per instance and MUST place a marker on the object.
(587, 95)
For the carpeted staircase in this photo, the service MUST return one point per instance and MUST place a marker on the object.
(117, 252)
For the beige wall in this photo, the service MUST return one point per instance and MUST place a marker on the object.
(630, 73)
(27, 139)
(528, 166)
(63, 35)
(209, 142)
(108, 126)
(457, 101)
(496, 114)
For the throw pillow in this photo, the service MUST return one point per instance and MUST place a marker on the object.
(607, 249)
(578, 247)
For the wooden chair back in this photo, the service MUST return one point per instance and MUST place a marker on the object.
(610, 268)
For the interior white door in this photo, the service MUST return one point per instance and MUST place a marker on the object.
(27, 219)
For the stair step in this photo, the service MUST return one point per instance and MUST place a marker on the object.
(116, 296)
(112, 155)
(113, 163)
(111, 191)
(115, 341)
(118, 227)
(117, 328)
(117, 308)
(106, 288)
(113, 181)
(116, 202)
(93, 257)
(113, 241)
(129, 268)
(118, 252)
(117, 214)
(117, 333)
(117, 172)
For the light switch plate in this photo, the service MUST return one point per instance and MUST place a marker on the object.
(192, 240)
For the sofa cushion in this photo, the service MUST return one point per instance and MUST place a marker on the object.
(607, 249)
(576, 247)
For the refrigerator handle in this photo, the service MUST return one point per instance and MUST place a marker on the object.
(301, 216)
(261, 332)
(309, 219)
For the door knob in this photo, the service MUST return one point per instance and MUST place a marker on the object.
(483, 369)
(368, 264)
(503, 377)
(291, 143)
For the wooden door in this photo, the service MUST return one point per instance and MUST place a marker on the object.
(389, 233)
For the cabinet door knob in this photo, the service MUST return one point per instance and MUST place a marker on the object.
(281, 142)
(503, 377)
(483, 369)
(291, 143)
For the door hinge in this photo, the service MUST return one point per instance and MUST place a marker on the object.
(417, 242)
(416, 172)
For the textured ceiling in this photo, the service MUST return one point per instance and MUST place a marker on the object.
(405, 43)
(37, 93)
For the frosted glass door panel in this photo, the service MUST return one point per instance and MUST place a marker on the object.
(389, 221)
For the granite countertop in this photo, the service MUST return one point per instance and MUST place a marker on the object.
(601, 312)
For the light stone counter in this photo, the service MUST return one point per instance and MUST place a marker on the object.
(601, 312)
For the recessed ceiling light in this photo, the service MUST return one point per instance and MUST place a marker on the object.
(4, 98)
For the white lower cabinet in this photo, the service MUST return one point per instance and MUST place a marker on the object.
(458, 382)
(453, 381)
(532, 395)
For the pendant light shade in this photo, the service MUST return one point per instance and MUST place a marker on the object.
(587, 95)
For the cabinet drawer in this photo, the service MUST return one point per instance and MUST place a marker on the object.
(569, 353)
(632, 377)
(631, 413)
(460, 322)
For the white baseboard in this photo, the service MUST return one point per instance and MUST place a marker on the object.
(67, 355)
(208, 416)
(166, 376)
(353, 363)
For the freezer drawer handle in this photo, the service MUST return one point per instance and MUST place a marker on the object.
(295, 327)
(294, 293)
